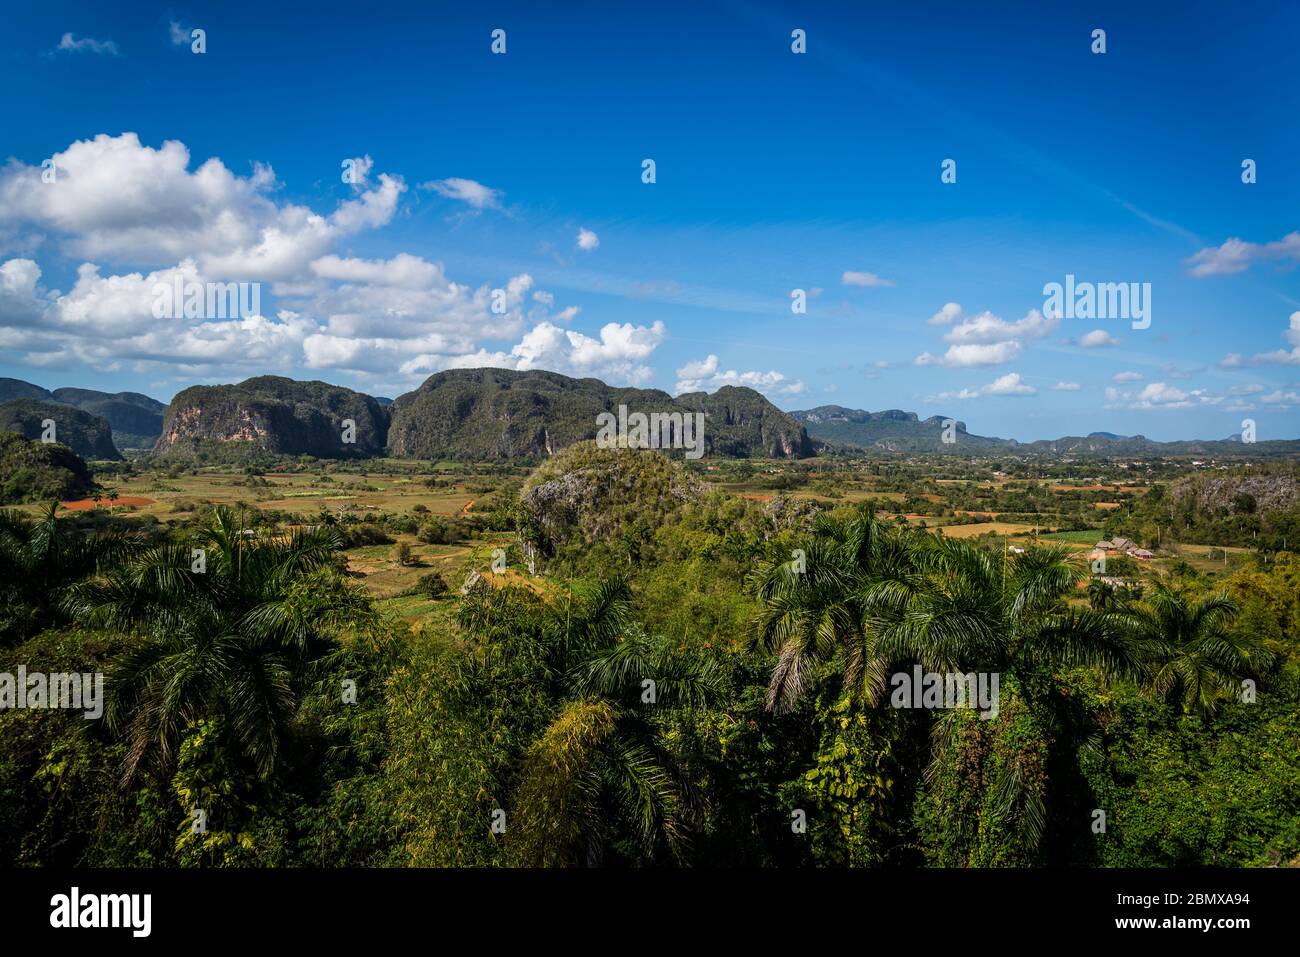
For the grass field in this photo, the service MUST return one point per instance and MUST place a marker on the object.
(1089, 536)
(983, 528)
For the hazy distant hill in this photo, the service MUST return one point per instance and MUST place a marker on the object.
(892, 430)
(136, 420)
(275, 415)
(489, 414)
(18, 389)
(896, 431)
(88, 435)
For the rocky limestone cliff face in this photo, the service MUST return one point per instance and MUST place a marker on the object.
(276, 415)
(1273, 492)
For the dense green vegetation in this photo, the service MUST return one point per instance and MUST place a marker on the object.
(1256, 508)
(86, 434)
(696, 678)
(32, 471)
(497, 414)
(135, 419)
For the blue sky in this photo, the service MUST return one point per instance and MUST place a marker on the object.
(775, 171)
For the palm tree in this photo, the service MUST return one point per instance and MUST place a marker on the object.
(973, 611)
(814, 608)
(599, 780)
(1103, 596)
(1197, 660)
(872, 601)
(967, 610)
(40, 558)
(231, 637)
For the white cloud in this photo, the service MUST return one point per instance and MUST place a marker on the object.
(361, 167)
(1286, 356)
(180, 35)
(587, 240)
(963, 356)
(945, 316)
(985, 339)
(1236, 255)
(1098, 339)
(19, 277)
(356, 314)
(1067, 387)
(21, 298)
(403, 271)
(1009, 384)
(138, 216)
(71, 44)
(704, 376)
(868, 279)
(466, 191)
(1281, 399)
(1128, 377)
(1159, 395)
(116, 200)
(617, 356)
(988, 328)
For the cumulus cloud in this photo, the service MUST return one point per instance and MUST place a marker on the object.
(20, 293)
(617, 356)
(947, 315)
(1097, 339)
(868, 279)
(1128, 376)
(142, 218)
(70, 44)
(988, 328)
(467, 191)
(962, 356)
(1237, 255)
(1009, 384)
(117, 200)
(587, 240)
(1286, 356)
(705, 376)
(1159, 395)
(984, 339)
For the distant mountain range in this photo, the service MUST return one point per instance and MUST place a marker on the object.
(90, 436)
(893, 430)
(135, 420)
(502, 415)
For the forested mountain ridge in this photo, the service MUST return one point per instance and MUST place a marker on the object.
(86, 434)
(136, 420)
(498, 414)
